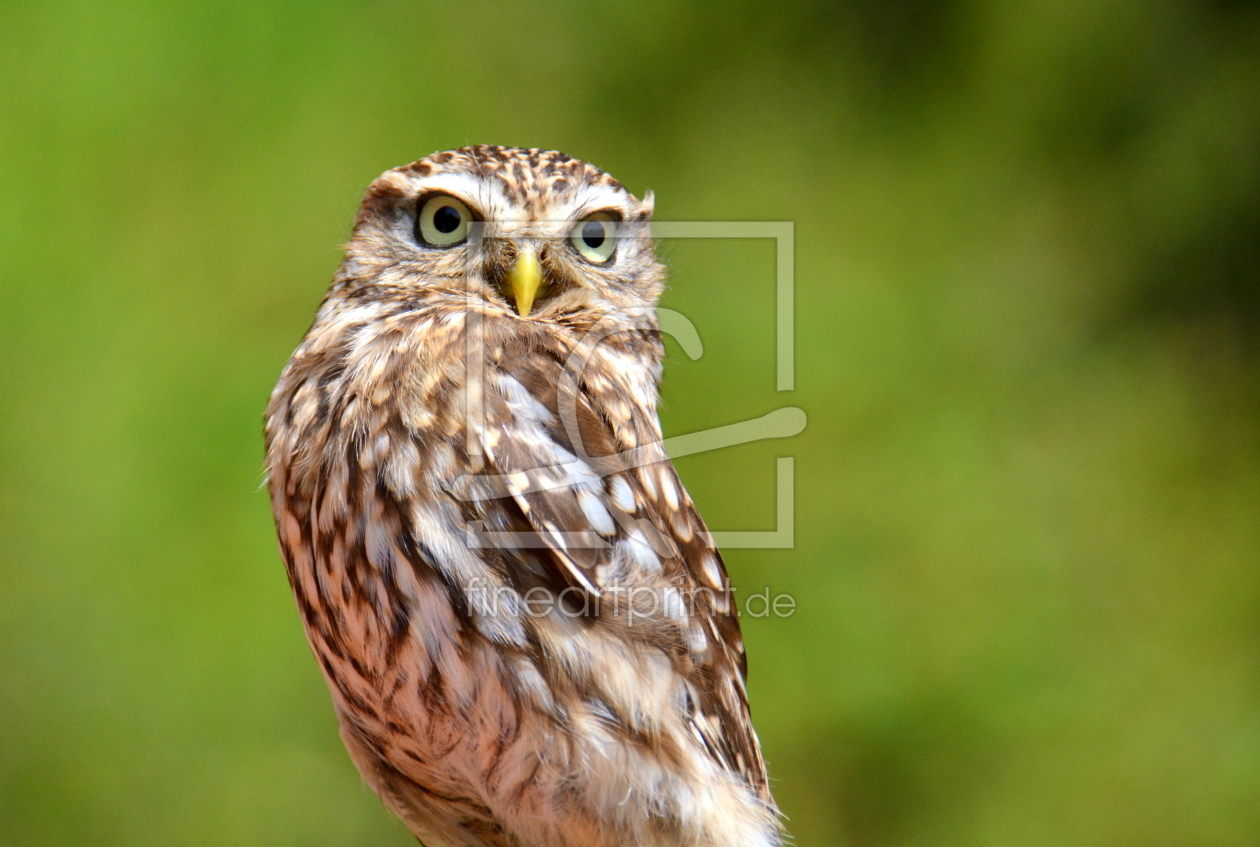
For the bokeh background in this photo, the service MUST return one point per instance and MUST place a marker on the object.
(1027, 558)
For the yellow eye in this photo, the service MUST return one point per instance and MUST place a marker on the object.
(443, 221)
(595, 237)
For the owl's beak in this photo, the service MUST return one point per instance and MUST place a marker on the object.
(524, 280)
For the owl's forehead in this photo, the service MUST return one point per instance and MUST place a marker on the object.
(515, 184)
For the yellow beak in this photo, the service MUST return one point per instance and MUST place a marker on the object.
(524, 280)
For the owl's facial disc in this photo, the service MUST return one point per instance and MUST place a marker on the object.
(531, 268)
(594, 241)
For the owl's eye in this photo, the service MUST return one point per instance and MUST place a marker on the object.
(595, 237)
(443, 221)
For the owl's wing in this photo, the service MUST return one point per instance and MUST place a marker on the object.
(575, 520)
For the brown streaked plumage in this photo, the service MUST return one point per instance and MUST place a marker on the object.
(527, 631)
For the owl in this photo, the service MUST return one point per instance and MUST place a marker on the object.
(528, 634)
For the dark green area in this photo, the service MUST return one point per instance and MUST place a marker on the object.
(1027, 558)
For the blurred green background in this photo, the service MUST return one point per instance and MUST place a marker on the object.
(1027, 558)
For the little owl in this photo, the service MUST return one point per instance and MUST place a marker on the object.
(528, 633)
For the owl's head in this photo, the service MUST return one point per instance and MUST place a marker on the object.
(538, 233)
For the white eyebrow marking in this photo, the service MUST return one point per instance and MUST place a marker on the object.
(462, 185)
(485, 195)
(595, 197)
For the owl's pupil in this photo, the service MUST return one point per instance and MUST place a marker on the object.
(446, 219)
(593, 235)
